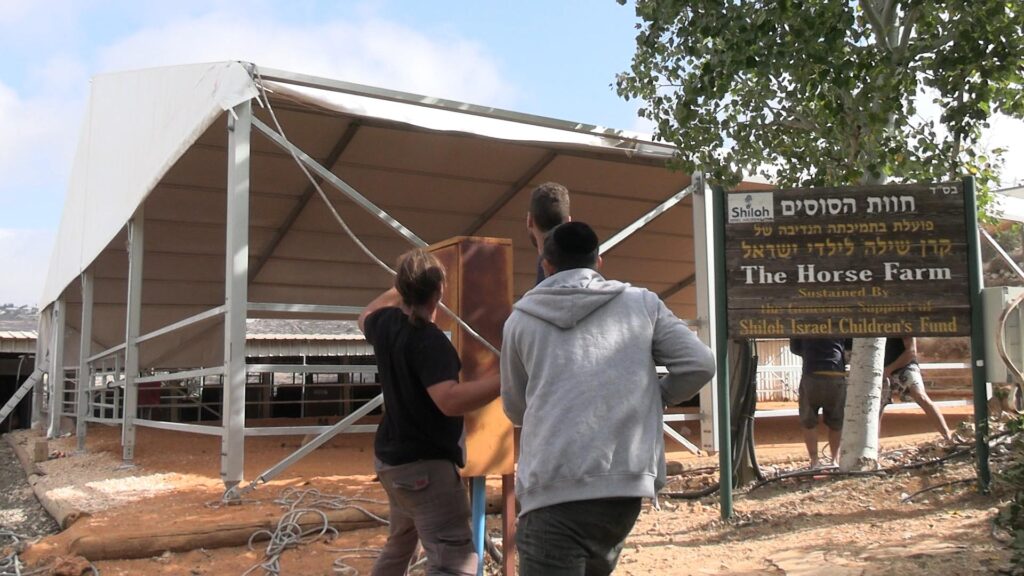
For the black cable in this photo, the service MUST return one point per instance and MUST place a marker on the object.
(742, 427)
(833, 472)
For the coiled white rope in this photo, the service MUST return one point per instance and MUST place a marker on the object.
(289, 533)
(10, 563)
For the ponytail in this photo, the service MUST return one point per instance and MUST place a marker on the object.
(419, 277)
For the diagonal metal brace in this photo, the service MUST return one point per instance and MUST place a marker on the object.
(234, 494)
(679, 438)
(338, 183)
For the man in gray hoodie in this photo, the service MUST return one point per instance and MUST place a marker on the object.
(578, 375)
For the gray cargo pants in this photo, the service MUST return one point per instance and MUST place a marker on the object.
(428, 503)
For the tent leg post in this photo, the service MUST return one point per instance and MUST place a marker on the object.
(59, 324)
(136, 249)
(704, 254)
(84, 370)
(236, 296)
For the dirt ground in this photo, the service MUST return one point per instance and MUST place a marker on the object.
(805, 526)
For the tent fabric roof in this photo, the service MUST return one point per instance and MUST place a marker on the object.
(1010, 204)
(158, 138)
(137, 124)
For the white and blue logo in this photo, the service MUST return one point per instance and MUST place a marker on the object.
(751, 207)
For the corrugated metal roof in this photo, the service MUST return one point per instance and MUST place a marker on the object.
(17, 335)
(258, 348)
(17, 342)
(24, 342)
(345, 337)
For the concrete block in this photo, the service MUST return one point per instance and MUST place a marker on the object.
(40, 450)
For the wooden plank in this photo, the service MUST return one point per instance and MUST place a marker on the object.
(479, 290)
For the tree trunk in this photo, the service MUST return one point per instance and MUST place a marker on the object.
(859, 444)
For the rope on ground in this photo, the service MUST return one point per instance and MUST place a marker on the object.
(292, 497)
(342, 568)
(836, 473)
(302, 503)
(10, 563)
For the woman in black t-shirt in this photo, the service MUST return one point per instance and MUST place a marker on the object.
(418, 445)
(902, 379)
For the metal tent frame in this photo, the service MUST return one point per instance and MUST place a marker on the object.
(116, 371)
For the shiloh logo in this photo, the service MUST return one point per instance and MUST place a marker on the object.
(751, 207)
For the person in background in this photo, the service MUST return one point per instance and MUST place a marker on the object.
(822, 388)
(578, 374)
(418, 446)
(549, 207)
(902, 379)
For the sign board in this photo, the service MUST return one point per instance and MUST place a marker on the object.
(851, 262)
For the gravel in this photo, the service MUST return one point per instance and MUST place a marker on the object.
(20, 512)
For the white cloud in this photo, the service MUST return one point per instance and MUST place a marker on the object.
(23, 257)
(371, 51)
(1003, 132)
(1007, 133)
(643, 126)
(15, 10)
(41, 117)
(36, 148)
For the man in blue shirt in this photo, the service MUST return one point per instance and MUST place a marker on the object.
(822, 387)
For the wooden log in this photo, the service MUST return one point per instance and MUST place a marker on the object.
(117, 546)
(62, 513)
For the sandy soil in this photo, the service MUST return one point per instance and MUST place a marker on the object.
(811, 526)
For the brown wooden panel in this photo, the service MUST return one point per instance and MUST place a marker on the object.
(479, 290)
(864, 261)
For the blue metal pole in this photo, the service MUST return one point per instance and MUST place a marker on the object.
(478, 498)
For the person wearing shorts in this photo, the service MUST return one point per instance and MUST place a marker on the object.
(822, 389)
(902, 379)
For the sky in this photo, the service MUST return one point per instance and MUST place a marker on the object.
(550, 58)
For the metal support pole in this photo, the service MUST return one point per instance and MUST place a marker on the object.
(649, 217)
(478, 500)
(57, 321)
(84, 351)
(976, 283)
(236, 295)
(704, 272)
(136, 249)
(37, 390)
(508, 524)
(721, 354)
(273, 472)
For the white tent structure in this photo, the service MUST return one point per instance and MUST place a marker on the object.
(187, 213)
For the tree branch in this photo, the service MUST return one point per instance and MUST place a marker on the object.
(941, 41)
(889, 16)
(881, 36)
(792, 119)
(908, 28)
